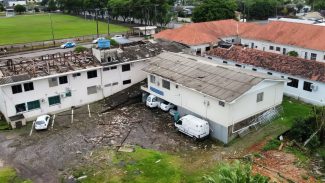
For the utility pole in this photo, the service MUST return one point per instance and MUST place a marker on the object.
(52, 29)
(96, 15)
(156, 14)
(106, 9)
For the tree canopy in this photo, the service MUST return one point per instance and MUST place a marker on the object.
(19, 8)
(211, 10)
(147, 11)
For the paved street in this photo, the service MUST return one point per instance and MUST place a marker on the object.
(37, 53)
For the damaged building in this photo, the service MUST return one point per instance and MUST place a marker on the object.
(227, 97)
(49, 84)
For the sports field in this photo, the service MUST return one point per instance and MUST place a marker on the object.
(32, 28)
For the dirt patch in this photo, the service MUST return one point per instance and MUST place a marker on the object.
(45, 155)
(281, 167)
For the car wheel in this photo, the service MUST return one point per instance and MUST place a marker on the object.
(64, 47)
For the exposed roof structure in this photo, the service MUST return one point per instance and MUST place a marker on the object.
(303, 68)
(288, 33)
(22, 69)
(221, 82)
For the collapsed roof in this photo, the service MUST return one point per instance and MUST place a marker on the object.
(294, 66)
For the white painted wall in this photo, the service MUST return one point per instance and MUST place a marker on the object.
(316, 97)
(265, 46)
(78, 86)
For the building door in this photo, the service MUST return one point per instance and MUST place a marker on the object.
(284, 51)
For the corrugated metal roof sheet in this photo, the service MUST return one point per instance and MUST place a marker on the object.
(222, 82)
(13, 79)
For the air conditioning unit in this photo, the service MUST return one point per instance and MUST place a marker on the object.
(314, 87)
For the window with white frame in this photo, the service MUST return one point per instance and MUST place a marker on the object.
(152, 79)
(166, 84)
(260, 97)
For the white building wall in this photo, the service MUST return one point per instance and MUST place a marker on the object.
(77, 85)
(265, 46)
(316, 97)
(247, 105)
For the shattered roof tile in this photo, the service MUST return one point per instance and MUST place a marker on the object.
(308, 69)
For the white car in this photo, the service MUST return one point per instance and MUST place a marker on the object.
(166, 106)
(42, 122)
(153, 101)
(117, 36)
(96, 40)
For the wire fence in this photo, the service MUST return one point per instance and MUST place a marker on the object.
(14, 48)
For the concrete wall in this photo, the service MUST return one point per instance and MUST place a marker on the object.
(265, 46)
(77, 85)
(316, 97)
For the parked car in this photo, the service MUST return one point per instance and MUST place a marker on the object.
(117, 36)
(153, 101)
(96, 40)
(68, 45)
(42, 122)
(166, 106)
(193, 126)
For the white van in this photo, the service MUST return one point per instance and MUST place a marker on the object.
(153, 101)
(192, 126)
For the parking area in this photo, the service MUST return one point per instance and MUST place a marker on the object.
(43, 156)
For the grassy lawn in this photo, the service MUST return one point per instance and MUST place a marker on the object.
(145, 165)
(8, 175)
(32, 28)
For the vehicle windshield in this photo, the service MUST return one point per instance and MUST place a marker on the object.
(166, 103)
(40, 122)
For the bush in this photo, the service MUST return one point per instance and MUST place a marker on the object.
(235, 173)
(272, 145)
(113, 42)
(80, 49)
(302, 129)
(293, 53)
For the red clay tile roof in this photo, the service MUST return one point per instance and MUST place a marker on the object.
(201, 33)
(288, 33)
(307, 69)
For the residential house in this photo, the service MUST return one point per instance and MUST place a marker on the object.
(305, 78)
(227, 97)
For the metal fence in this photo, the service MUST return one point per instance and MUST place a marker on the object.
(14, 48)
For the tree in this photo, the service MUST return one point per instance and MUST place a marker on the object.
(52, 5)
(1, 7)
(319, 5)
(20, 9)
(211, 10)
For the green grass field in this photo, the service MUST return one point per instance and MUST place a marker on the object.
(32, 28)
